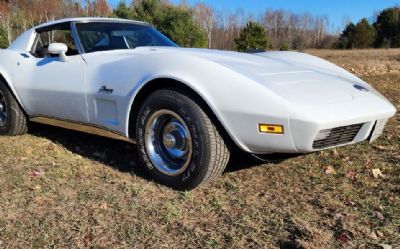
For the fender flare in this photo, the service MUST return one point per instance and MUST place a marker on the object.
(137, 90)
(6, 79)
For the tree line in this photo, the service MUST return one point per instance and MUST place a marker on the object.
(202, 26)
(383, 33)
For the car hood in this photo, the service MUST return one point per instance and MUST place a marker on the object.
(299, 78)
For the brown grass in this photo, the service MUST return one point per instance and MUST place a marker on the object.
(365, 62)
(64, 189)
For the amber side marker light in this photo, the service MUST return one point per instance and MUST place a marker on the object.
(268, 128)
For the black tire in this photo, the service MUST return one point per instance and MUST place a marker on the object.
(15, 120)
(210, 153)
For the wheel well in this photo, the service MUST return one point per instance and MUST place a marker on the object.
(4, 81)
(165, 83)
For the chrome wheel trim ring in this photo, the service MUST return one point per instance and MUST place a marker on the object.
(168, 142)
(3, 109)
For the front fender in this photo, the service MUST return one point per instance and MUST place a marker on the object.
(238, 102)
(4, 73)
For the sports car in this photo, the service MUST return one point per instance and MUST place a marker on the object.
(186, 109)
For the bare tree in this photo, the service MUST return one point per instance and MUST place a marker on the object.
(298, 31)
(101, 8)
(204, 15)
(284, 28)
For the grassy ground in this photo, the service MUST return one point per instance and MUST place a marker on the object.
(63, 189)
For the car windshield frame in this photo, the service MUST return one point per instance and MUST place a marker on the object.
(160, 39)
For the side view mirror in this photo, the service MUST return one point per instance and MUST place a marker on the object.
(60, 49)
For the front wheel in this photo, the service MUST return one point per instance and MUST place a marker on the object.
(177, 141)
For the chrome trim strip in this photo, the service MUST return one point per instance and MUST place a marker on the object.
(78, 43)
(108, 20)
(77, 126)
(35, 42)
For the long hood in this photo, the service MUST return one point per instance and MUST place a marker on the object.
(300, 78)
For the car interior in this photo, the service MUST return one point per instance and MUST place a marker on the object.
(54, 34)
(98, 41)
(111, 36)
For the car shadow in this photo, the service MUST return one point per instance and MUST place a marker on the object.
(123, 156)
(116, 154)
(46, 61)
(240, 160)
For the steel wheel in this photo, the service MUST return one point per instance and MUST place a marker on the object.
(177, 142)
(168, 142)
(3, 109)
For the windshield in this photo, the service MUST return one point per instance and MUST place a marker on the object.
(103, 36)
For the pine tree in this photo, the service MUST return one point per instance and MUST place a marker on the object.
(123, 11)
(176, 22)
(3, 38)
(364, 34)
(346, 39)
(253, 37)
(387, 26)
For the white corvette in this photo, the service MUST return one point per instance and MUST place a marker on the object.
(185, 108)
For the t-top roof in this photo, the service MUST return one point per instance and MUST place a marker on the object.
(88, 19)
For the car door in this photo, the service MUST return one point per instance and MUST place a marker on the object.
(51, 87)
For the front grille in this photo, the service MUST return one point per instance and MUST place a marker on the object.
(336, 136)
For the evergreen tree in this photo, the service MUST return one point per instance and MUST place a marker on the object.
(387, 26)
(361, 35)
(364, 34)
(253, 37)
(123, 11)
(346, 39)
(3, 38)
(176, 22)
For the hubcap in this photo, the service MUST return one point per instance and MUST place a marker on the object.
(168, 142)
(3, 109)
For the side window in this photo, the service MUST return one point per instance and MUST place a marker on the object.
(103, 36)
(45, 38)
(94, 40)
(139, 39)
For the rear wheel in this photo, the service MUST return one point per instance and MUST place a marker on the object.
(12, 119)
(177, 141)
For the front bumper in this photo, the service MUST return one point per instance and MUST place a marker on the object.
(303, 126)
(307, 123)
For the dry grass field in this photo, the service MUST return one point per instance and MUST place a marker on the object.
(64, 189)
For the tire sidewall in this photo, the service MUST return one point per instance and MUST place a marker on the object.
(4, 130)
(196, 170)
